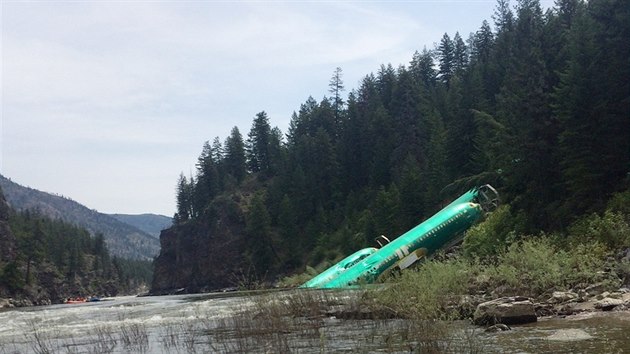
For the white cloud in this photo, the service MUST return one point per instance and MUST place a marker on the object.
(106, 102)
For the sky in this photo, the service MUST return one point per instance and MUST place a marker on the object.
(107, 102)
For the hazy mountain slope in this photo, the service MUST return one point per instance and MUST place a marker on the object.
(122, 239)
(150, 223)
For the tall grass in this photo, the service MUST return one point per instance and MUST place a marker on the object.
(533, 267)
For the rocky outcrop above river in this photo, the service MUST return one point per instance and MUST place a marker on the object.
(505, 310)
(202, 255)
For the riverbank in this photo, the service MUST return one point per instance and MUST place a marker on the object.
(299, 320)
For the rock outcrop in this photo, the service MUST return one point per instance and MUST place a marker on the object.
(202, 255)
(505, 310)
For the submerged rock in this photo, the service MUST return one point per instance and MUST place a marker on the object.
(500, 327)
(571, 334)
(506, 310)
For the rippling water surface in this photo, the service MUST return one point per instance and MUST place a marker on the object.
(235, 323)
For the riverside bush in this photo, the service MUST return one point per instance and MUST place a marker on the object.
(536, 266)
(490, 238)
(533, 267)
(424, 293)
(620, 203)
(612, 229)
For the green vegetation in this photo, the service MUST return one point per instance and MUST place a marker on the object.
(536, 105)
(500, 262)
(55, 260)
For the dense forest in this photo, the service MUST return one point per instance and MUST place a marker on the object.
(536, 104)
(47, 260)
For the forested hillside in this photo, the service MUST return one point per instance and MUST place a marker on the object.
(152, 224)
(45, 260)
(123, 239)
(536, 104)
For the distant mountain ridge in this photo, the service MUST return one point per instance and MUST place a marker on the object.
(123, 240)
(150, 223)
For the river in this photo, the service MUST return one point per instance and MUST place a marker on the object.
(258, 322)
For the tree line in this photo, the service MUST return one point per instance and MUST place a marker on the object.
(62, 260)
(538, 105)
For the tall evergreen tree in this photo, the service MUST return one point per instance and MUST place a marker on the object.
(335, 87)
(208, 181)
(446, 55)
(422, 68)
(460, 55)
(235, 161)
(184, 199)
(258, 145)
(386, 83)
(482, 43)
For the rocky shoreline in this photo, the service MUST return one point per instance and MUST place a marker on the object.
(519, 310)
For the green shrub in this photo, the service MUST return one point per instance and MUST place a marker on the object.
(620, 203)
(492, 237)
(425, 292)
(535, 267)
(612, 229)
(298, 279)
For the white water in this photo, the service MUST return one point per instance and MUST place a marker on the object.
(129, 324)
(220, 323)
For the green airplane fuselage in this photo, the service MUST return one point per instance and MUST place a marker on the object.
(427, 237)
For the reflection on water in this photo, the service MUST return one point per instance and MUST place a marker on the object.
(258, 322)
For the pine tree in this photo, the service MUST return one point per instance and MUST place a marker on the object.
(460, 55)
(422, 68)
(483, 42)
(208, 181)
(335, 87)
(385, 84)
(446, 55)
(258, 145)
(235, 161)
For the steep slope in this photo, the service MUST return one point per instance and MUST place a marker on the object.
(205, 255)
(150, 223)
(122, 239)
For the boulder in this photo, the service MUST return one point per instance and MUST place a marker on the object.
(559, 297)
(5, 303)
(608, 303)
(506, 310)
(596, 289)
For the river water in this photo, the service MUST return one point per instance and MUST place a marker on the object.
(257, 323)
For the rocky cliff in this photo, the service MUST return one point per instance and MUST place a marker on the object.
(202, 255)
